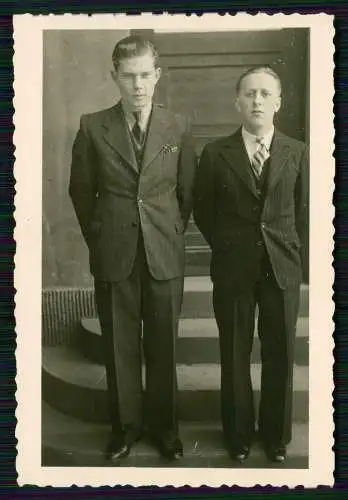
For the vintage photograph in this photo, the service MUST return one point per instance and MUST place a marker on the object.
(175, 248)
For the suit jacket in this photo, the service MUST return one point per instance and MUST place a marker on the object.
(239, 223)
(114, 200)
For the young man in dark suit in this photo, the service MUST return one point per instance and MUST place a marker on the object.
(251, 204)
(131, 185)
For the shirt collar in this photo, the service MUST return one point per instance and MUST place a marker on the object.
(144, 115)
(252, 139)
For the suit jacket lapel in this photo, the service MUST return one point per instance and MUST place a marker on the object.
(235, 154)
(118, 137)
(159, 123)
(279, 154)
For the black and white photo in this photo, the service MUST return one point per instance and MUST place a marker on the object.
(179, 232)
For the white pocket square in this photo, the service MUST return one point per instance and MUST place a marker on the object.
(170, 149)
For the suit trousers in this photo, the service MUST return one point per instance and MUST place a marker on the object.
(235, 316)
(139, 320)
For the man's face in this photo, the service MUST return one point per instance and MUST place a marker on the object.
(257, 102)
(136, 78)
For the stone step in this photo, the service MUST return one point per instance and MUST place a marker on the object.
(74, 385)
(197, 261)
(196, 269)
(197, 301)
(195, 239)
(191, 227)
(67, 441)
(198, 341)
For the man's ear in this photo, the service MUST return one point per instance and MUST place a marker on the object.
(158, 73)
(114, 76)
(237, 104)
(278, 104)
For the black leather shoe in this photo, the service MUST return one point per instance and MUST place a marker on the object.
(239, 453)
(276, 453)
(117, 449)
(170, 446)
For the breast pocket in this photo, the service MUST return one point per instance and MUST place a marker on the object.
(170, 154)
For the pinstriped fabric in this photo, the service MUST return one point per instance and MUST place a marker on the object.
(247, 222)
(157, 199)
(62, 309)
(255, 231)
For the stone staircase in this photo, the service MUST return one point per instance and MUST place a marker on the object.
(74, 411)
(197, 251)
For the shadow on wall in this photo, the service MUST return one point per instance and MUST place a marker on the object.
(76, 80)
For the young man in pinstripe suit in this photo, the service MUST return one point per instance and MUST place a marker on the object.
(131, 185)
(251, 204)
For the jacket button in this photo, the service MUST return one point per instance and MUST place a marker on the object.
(259, 243)
(263, 225)
(140, 201)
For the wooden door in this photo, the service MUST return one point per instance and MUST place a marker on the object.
(200, 71)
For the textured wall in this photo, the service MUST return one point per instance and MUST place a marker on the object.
(76, 80)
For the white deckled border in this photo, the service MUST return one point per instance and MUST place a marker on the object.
(28, 172)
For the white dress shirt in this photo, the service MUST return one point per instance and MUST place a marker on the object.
(144, 117)
(251, 144)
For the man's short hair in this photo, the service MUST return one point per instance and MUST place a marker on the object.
(132, 46)
(259, 69)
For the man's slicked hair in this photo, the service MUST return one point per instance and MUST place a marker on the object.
(133, 46)
(259, 69)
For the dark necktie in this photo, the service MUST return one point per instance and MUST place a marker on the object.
(259, 157)
(137, 132)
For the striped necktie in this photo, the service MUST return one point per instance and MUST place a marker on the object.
(137, 132)
(259, 157)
